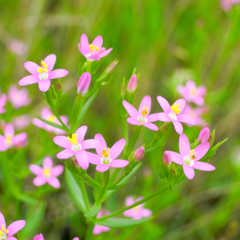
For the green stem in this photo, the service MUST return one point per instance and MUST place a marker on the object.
(125, 130)
(85, 196)
(89, 231)
(89, 66)
(92, 181)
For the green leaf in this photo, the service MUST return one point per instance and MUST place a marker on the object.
(133, 140)
(51, 123)
(122, 222)
(120, 185)
(75, 191)
(94, 211)
(24, 198)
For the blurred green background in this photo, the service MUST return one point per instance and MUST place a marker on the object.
(168, 42)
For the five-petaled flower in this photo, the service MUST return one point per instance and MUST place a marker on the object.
(46, 174)
(42, 74)
(189, 158)
(142, 117)
(98, 229)
(93, 51)
(173, 113)
(6, 233)
(75, 145)
(106, 157)
(137, 212)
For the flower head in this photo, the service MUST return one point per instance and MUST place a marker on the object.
(228, 4)
(173, 113)
(132, 84)
(75, 145)
(204, 135)
(189, 158)
(3, 100)
(6, 233)
(42, 74)
(84, 83)
(98, 229)
(93, 51)
(46, 174)
(139, 153)
(21, 122)
(17, 47)
(141, 117)
(38, 237)
(167, 158)
(137, 212)
(106, 157)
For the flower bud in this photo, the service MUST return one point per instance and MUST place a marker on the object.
(138, 155)
(111, 67)
(38, 237)
(84, 83)
(211, 138)
(132, 84)
(204, 135)
(167, 158)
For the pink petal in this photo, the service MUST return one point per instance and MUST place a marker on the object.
(186, 119)
(85, 44)
(65, 154)
(164, 104)
(129, 200)
(117, 148)
(98, 41)
(50, 61)
(57, 170)
(54, 182)
(150, 126)
(201, 150)
(39, 181)
(97, 229)
(11, 238)
(2, 220)
(146, 212)
(178, 127)
(203, 166)
(81, 133)
(128, 213)
(153, 117)
(15, 227)
(99, 149)
(9, 129)
(47, 162)
(59, 73)
(133, 121)
(176, 157)
(189, 172)
(35, 169)
(82, 159)
(62, 141)
(90, 143)
(182, 104)
(20, 139)
(146, 102)
(204, 135)
(199, 101)
(102, 167)
(190, 84)
(94, 56)
(31, 67)
(44, 85)
(184, 145)
(164, 117)
(118, 163)
(31, 79)
(103, 54)
(93, 158)
(46, 113)
(130, 109)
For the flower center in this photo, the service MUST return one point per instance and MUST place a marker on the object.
(46, 172)
(3, 233)
(93, 48)
(189, 159)
(43, 71)
(8, 140)
(51, 118)
(193, 92)
(75, 145)
(106, 156)
(142, 118)
(192, 153)
(175, 108)
(136, 209)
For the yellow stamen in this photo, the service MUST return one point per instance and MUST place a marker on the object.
(51, 118)
(194, 92)
(46, 172)
(175, 108)
(8, 139)
(192, 154)
(144, 111)
(106, 153)
(4, 229)
(73, 140)
(43, 68)
(92, 48)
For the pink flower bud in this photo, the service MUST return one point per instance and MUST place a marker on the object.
(132, 84)
(167, 158)
(111, 67)
(204, 135)
(76, 238)
(84, 83)
(38, 237)
(138, 155)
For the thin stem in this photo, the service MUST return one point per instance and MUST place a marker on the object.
(92, 181)
(85, 196)
(89, 231)
(89, 66)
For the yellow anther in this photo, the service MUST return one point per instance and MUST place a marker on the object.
(73, 140)
(4, 229)
(43, 68)
(144, 111)
(192, 154)
(1, 233)
(8, 139)
(51, 118)
(106, 153)
(92, 48)
(46, 172)
(175, 108)
(194, 92)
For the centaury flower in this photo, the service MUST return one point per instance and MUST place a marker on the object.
(173, 113)
(98, 229)
(46, 174)
(142, 117)
(204, 135)
(106, 157)
(137, 212)
(6, 233)
(42, 74)
(93, 51)
(228, 4)
(40, 237)
(75, 145)
(189, 158)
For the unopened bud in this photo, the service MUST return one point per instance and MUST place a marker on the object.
(84, 83)
(204, 135)
(38, 237)
(132, 84)
(211, 138)
(111, 67)
(139, 153)
(167, 158)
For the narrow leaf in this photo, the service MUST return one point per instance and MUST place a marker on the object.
(51, 123)
(94, 211)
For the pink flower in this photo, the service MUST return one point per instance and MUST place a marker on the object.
(93, 51)
(192, 93)
(42, 75)
(48, 115)
(38, 237)
(21, 122)
(173, 114)
(189, 158)
(141, 117)
(9, 140)
(84, 83)
(137, 212)
(3, 100)
(167, 158)
(106, 157)
(98, 229)
(204, 135)
(132, 84)
(18, 47)
(47, 174)
(18, 97)
(228, 4)
(75, 145)
(6, 233)
(139, 153)
(196, 114)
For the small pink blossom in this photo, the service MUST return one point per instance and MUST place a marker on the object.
(40, 237)
(141, 117)
(75, 145)
(106, 157)
(139, 153)
(84, 83)
(137, 212)
(98, 229)
(228, 4)
(173, 113)
(3, 100)
(167, 158)
(21, 122)
(93, 51)
(42, 74)
(17, 47)
(48, 115)
(9, 140)
(47, 174)
(6, 233)
(132, 84)
(192, 93)
(189, 158)
(204, 135)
